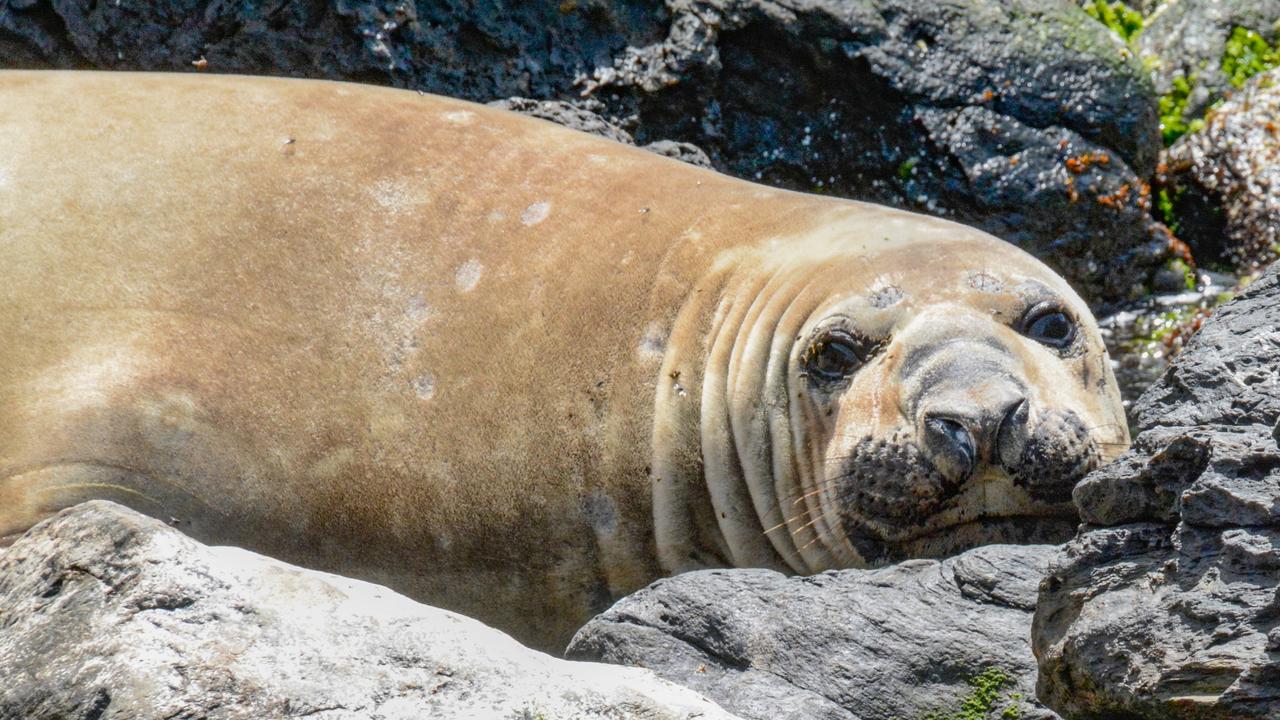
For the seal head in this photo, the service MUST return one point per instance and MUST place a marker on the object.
(882, 392)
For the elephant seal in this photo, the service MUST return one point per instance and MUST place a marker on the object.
(502, 366)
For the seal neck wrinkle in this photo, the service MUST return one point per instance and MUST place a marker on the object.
(726, 446)
(686, 532)
(755, 403)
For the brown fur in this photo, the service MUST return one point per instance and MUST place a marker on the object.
(405, 337)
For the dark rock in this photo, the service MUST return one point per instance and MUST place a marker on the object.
(1188, 37)
(897, 642)
(1167, 604)
(1025, 118)
(1232, 167)
(109, 615)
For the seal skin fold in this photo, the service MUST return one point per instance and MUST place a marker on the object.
(959, 425)
(501, 366)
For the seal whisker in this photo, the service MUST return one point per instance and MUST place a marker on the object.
(806, 525)
(788, 521)
(818, 535)
(820, 487)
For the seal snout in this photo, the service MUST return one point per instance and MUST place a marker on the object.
(970, 426)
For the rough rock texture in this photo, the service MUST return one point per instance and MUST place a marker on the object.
(1232, 168)
(1188, 38)
(106, 614)
(1024, 117)
(585, 117)
(897, 642)
(1167, 605)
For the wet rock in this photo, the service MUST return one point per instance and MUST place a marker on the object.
(1227, 178)
(1167, 604)
(897, 642)
(1144, 337)
(107, 614)
(1188, 38)
(1025, 118)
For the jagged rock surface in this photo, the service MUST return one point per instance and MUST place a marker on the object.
(1024, 117)
(1227, 178)
(898, 642)
(1167, 605)
(110, 615)
(585, 117)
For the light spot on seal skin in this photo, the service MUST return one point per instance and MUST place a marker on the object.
(535, 213)
(460, 117)
(886, 296)
(88, 377)
(395, 195)
(424, 386)
(654, 342)
(468, 275)
(984, 282)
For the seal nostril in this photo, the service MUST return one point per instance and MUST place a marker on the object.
(1011, 434)
(956, 442)
(1014, 417)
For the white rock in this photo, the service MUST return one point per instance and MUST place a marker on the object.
(105, 613)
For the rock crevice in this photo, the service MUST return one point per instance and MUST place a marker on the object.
(1167, 603)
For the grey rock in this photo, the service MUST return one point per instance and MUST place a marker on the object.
(1187, 38)
(570, 115)
(109, 615)
(1167, 604)
(584, 116)
(683, 151)
(1227, 178)
(992, 112)
(896, 642)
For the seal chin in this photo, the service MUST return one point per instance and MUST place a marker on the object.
(895, 504)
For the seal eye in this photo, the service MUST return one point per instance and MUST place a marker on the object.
(1049, 325)
(832, 358)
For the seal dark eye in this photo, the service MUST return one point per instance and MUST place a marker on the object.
(834, 357)
(1049, 325)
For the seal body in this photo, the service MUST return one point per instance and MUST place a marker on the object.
(502, 366)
